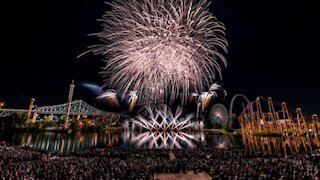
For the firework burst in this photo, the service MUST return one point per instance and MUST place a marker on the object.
(161, 49)
(164, 120)
(110, 96)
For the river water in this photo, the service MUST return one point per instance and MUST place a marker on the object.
(80, 141)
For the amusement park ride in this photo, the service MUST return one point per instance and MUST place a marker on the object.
(277, 121)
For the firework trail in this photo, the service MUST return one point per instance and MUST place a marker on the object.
(205, 98)
(161, 49)
(133, 97)
(110, 96)
(214, 87)
(164, 119)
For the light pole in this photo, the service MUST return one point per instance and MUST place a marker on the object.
(2, 104)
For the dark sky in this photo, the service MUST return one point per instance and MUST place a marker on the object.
(274, 50)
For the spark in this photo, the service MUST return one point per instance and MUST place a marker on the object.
(110, 96)
(133, 96)
(163, 50)
(164, 120)
(214, 87)
(166, 140)
(205, 98)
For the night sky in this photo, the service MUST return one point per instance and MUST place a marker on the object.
(273, 50)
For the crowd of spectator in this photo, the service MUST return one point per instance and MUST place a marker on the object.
(131, 163)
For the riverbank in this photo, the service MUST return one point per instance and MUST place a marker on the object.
(222, 131)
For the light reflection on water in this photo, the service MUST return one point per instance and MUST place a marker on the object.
(166, 140)
(61, 143)
(178, 140)
(79, 141)
(280, 146)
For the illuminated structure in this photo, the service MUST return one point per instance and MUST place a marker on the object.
(219, 115)
(77, 107)
(281, 121)
(161, 50)
(237, 96)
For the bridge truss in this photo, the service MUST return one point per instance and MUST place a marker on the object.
(78, 107)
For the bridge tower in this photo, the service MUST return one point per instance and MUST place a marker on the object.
(30, 108)
(69, 104)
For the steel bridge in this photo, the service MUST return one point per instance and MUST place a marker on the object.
(77, 107)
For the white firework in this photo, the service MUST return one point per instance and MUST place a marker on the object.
(133, 97)
(163, 139)
(143, 111)
(164, 120)
(205, 98)
(163, 49)
(108, 94)
(214, 87)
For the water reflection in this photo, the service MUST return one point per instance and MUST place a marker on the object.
(165, 140)
(170, 140)
(222, 141)
(79, 141)
(62, 143)
(280, 146)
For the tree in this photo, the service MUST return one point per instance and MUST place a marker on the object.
(235, 123)
(20, 118)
